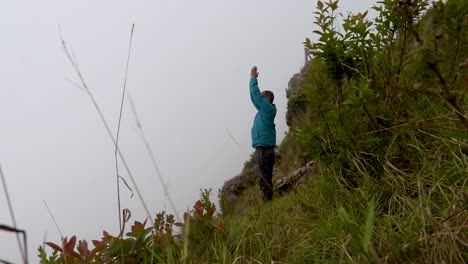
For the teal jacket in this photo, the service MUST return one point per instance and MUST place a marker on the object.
(263, 130)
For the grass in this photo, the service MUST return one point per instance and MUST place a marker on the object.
(402, 217)
(414, 216)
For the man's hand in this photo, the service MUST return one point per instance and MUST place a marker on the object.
(254, 72)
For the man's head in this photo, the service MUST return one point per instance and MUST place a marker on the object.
(269, 96)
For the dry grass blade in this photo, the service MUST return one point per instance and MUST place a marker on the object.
(53, 219)
(118, 129)
(62, 239)
(108, 130)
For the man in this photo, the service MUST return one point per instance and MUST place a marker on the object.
(263, 135)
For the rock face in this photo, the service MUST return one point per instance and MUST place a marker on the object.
(295, 178)
(233, 188)
(297, 103)
(295, 81)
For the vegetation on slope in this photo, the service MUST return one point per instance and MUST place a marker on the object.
(382, 109)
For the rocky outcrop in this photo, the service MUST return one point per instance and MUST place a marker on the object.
(295, 81)
(233, 188)
(297, 102)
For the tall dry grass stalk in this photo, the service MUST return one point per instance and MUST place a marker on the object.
(86, 89)
(118, 129)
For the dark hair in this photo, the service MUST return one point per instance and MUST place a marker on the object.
(269, 95)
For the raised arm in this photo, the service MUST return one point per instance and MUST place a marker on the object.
(255, 96)
(254, 92)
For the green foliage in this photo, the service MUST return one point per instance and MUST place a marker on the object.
(388, 79)
(53, 258)
(384, 120)
(160, 243)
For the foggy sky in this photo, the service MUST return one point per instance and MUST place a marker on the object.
(188, 76)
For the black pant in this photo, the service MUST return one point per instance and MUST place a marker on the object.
(265, 157)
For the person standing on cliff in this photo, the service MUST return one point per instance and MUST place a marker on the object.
(263, 135)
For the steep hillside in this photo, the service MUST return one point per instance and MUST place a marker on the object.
(381, 110)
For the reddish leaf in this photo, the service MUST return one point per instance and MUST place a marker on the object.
(137, 226)
(54, 246)
(98, 246)
(83, 248)
(106, 236)
(72, 253)
(64, 241)
(198, 204)
(179, 224)
(198, 207)
(186, 216)
(96, 243)
(71, 244)
(210, 212)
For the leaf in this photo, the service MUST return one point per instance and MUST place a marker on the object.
(83, 248)
(179, 224)
(54, 246)
(364, 14)
(97, 243)
(137, 226)
(334, 5)
(210, 211)
(71, 252)
(320, 5)
(98, 246)
(369, 226)
(139, 231)
(318, 32)
(170, 219)
(307, 43)
(187, 217)
(198, 207)
(71, 244)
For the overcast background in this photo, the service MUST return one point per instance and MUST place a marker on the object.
(188, 76)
